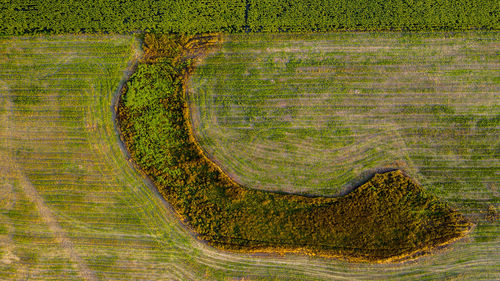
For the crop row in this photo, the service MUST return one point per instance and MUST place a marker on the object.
(196, 16)
(47, 145)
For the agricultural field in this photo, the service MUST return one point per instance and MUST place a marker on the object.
(319, 113)
(230, 140)
(72, 206)
(199, 16)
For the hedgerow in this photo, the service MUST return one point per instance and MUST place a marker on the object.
(197, 16)
(389, 217)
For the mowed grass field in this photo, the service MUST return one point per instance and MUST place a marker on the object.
(72, 207)
(319, 113)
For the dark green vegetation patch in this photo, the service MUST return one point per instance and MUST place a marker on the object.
(387, 218)
(194, 16)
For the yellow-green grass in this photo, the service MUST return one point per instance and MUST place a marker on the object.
(320, 113)
(72, 207)
(116, 224)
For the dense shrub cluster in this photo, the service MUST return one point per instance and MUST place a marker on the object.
(196, 16)
(389, 216)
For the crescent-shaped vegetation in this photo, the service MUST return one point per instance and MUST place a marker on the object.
(390, 217)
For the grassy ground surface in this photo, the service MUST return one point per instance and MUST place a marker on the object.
(318, 113)
(71, 207)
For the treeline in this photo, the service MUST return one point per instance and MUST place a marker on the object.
(200, 16)
(388, 217)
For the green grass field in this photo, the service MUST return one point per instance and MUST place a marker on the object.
(72, 207)
(318, 113)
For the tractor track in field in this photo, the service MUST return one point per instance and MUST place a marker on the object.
(11, 168)
(50, 219)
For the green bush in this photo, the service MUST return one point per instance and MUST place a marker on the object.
(146, 86)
